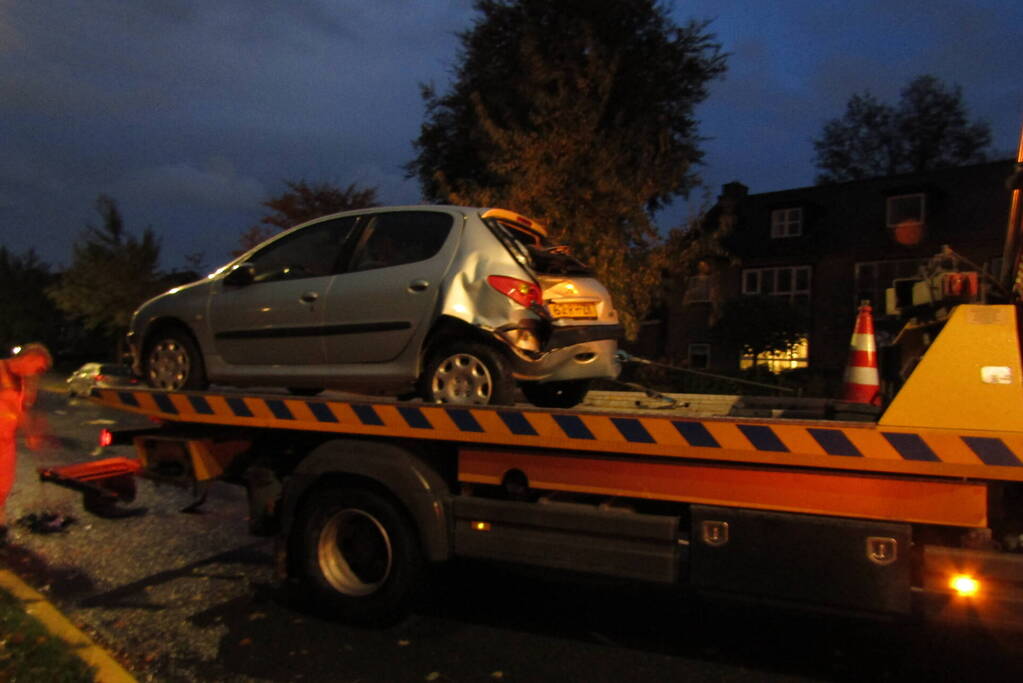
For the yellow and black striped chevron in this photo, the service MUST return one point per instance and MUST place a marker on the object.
(832, 445)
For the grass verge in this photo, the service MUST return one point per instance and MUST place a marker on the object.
(28, 652)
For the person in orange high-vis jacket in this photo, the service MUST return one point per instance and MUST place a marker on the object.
(18, 377)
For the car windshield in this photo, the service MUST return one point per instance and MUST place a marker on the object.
(536, 251)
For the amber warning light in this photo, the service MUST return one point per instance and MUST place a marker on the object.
(965, 585)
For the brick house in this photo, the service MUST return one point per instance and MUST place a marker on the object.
(826, 248)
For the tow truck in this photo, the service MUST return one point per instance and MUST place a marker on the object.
(915, 510)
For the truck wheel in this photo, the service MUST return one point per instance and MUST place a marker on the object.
(466, 373)
(556, 394)
(173, 362)
(360, 556)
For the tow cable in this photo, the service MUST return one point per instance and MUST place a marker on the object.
(670, 402)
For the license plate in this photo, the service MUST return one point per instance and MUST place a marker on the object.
(579, 310)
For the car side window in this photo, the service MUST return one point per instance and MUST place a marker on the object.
(393, 239)
(309, 252)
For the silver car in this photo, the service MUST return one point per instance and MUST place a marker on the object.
(453, 304)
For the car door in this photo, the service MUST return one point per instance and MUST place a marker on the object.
(391, 287)
(271, 312)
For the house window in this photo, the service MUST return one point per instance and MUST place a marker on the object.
(906, 209)
(791, 282)
(697, 289)
(787, 222)
(872, 278)
(699, 356)
(780, 361)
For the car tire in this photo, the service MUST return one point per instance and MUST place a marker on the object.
(173, 362)
(359, 556)
(467, 373)
(565, 394)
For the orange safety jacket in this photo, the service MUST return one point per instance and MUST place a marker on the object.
(11, 400)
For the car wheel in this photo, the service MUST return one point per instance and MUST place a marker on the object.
(360, 557)
(556, 394)
(173, 362)
(466, 373)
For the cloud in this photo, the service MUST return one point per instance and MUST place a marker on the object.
(214, 185)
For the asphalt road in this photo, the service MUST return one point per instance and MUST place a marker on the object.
(190, 597)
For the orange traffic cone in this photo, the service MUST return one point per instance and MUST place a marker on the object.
(861, 380)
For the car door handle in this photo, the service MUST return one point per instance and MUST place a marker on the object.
(309, 297)
(418, 285)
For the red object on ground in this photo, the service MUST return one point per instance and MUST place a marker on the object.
(92, 471)
(861, 379)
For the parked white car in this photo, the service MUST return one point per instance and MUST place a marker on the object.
(91, 376)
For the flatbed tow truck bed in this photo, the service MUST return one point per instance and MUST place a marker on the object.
(863, 516)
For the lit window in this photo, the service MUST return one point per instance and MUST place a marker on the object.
(699, 356)
(906, 208)
(780, 361)
(787, 222)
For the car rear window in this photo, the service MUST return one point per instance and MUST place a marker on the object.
(118, 370)
(540, 254)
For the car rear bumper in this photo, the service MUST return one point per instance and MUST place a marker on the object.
(586, 360)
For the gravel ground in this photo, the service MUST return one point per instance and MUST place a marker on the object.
(134, 583)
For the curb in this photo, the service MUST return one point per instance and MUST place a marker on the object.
(38, 607)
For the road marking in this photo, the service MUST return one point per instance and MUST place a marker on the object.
(38, 607)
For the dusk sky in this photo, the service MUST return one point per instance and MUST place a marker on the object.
(190, 113)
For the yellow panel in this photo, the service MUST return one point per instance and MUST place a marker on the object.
(968, 379)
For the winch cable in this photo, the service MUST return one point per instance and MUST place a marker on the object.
(625, 357)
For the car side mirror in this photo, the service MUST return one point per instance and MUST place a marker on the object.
(241, 275)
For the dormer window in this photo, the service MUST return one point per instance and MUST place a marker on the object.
(787, 222)
(906, 208)
(907, 218)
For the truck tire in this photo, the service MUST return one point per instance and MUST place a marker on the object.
(360, 556)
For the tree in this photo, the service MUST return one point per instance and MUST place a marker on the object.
(111, 273)
(927, 130)
(580, 115)
(761, 324)
(699, 252)
(27, 312)
(303, 202)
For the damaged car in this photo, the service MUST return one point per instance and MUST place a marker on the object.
(452, 304)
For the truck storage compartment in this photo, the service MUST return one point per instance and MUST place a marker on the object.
(583, 538)
(843, 563)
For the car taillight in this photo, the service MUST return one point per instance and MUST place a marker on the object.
(106, 437)
(100, 378)
(520, 291)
